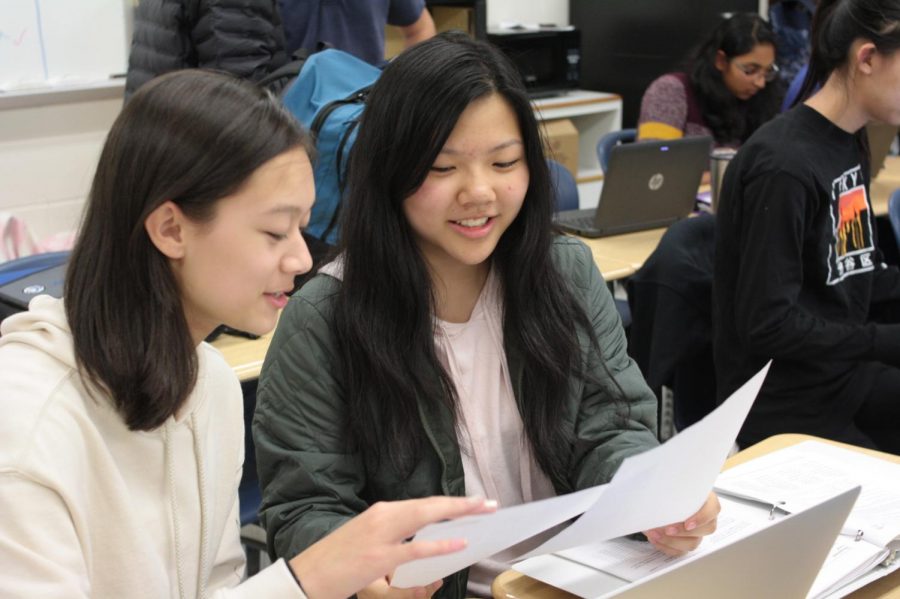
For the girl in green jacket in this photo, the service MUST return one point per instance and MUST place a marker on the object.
(456, 345)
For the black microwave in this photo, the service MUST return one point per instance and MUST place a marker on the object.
(548, 59)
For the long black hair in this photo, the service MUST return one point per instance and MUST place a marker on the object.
(728, 117)
(837, 24)
(384, 313)
(192, 137)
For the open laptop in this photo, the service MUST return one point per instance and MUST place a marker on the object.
(780, 561)
(18, 286)
(649, 184)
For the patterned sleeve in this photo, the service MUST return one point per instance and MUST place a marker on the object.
(664, 109)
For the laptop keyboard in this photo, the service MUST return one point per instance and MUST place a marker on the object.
(580, 222)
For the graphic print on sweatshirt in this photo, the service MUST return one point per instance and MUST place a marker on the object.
(853, 246)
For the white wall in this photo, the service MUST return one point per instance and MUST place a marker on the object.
(48, 154)
(529, 11)
(546, 11)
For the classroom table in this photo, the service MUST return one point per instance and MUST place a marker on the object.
(512, 585)
(245, 356)
(884, 184)
(619, 256)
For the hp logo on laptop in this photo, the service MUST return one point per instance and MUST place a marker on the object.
(656, 181)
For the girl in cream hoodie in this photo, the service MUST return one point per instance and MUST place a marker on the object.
(121, 440)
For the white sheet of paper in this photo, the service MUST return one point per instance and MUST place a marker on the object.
(488, 534)
(804, 474)
(667, 484)
(649, 490)
(632, 560)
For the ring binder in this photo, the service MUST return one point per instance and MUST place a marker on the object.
(813, 469)
(775, 506)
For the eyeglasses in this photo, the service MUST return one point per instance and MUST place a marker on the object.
(754, 70)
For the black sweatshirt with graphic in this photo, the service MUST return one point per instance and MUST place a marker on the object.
(797, 270)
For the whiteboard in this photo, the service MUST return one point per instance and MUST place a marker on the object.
(46, 42)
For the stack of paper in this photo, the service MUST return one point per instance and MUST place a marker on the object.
(792, 479)
(658, 487)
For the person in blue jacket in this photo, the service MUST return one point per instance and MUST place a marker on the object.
(354, 26)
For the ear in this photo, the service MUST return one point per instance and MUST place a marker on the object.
(865, 55)
(166, 228)
(721, 61)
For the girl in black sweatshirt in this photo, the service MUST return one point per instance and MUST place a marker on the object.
(797, 269)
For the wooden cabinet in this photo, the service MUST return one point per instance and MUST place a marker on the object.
(593, 114)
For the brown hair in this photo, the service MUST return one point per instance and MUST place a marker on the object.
(192, 137)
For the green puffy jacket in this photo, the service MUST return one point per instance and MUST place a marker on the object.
(311, 485)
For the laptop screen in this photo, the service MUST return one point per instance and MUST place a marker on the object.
(648, 184)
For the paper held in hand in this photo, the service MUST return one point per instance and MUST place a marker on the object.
(649, 490)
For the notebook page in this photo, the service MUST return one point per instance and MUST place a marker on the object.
(802, 475)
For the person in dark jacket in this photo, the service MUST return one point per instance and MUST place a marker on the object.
(798, 274)
(457, 345)
(241, 37)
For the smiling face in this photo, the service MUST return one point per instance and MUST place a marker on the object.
(474, 190)
(746, 75)
(237, 268)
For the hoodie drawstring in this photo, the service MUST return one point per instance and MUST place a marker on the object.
(173, 500)
(204, 517)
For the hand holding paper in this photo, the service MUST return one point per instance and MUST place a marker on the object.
(681, 537)
(651, 489)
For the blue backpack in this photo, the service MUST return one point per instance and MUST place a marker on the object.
(328, 97)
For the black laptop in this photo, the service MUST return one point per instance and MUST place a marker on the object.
(648, 184)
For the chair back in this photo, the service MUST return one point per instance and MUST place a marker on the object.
(894, 214)
(671, 311)
(564, 186)
(607, 142)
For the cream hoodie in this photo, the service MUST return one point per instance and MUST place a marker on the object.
(91, 509)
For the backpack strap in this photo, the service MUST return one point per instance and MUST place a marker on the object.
(278, 80)
(359, 96)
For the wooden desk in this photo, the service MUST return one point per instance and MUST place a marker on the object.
(884, 185)
(245, 356)
(621, 255)
(512, 585)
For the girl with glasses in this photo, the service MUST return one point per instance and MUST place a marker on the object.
(729, 90)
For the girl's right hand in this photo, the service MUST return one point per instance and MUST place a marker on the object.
(372, 545)
(381, 589)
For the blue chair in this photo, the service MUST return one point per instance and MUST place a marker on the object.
(253, 537)
(894, 214)
(793, 90)
(19, 268)
(607, 142)
(564, 186)
(22, 267)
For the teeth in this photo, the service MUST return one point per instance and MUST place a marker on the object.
(473, 222)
